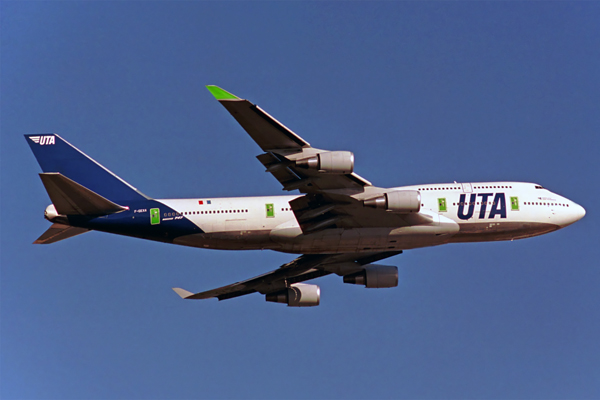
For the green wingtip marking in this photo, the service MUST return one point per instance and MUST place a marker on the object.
(221, 94)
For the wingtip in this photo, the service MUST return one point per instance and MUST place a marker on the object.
(221, 94)
(182, 292)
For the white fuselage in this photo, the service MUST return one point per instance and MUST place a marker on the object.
(471, 212)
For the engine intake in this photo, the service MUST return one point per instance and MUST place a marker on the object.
(331, 162)
(398, 201)
(375, 276)
(297, 295)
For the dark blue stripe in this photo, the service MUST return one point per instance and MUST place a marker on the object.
(138, 224)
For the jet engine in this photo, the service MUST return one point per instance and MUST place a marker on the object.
(375, 276)
(398, 201)
(297, 295)
(330, 162)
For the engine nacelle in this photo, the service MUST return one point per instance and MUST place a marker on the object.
(297, 295)
(331, 162)
(398, 201)
(375, 276)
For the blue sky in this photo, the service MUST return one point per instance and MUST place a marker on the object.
(420, 92)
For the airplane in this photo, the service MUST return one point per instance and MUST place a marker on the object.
(340, 223)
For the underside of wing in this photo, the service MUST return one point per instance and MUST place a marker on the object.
(289, 276)
(267, 283)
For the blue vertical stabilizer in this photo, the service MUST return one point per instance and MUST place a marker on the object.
(54, 154)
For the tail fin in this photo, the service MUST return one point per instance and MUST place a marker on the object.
(54, 154)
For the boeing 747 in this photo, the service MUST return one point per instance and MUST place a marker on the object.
(340, 223)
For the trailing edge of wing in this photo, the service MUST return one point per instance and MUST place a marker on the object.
(308, 181)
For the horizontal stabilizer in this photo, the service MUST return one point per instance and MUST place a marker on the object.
(70, 198)
(58, 232)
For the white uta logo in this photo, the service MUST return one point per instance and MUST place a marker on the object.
(43, 140)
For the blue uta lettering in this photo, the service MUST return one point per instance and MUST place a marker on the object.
(498, 205)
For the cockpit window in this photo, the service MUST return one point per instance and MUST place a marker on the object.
(538, 187)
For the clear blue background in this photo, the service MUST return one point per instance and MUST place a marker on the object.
(421, 92)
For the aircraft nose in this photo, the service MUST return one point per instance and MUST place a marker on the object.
(575, 213)
(578, 212)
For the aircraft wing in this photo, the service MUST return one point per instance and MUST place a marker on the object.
(266, 131)
(282, 148)
(333, 199)
(303, 268)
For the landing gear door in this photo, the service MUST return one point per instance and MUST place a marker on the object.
(466, 187)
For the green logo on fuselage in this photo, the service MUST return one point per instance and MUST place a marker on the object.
(154, 216)
(442, 204)
(270, 210)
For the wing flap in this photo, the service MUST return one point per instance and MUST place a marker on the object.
(316, 212)
(278, 167)
(308, 181)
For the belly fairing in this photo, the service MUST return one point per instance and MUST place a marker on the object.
(434, 232)
(505, 230)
